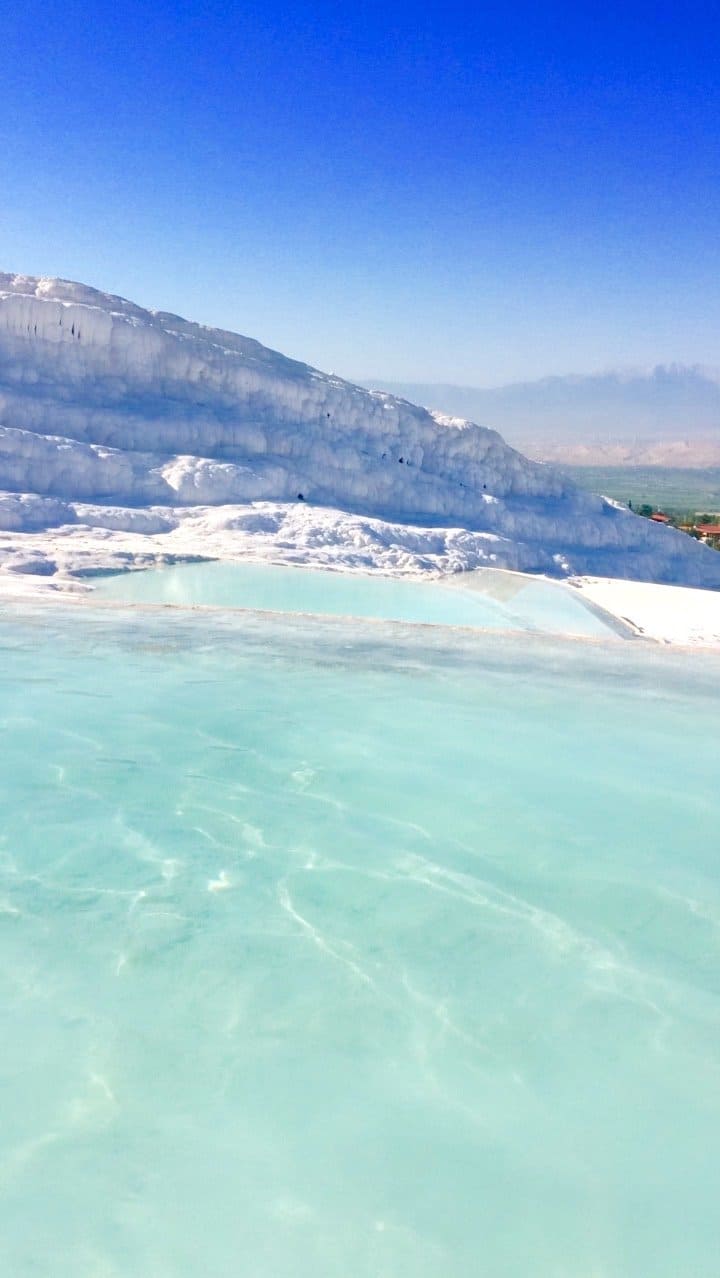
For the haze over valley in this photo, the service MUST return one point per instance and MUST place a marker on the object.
(669, 416)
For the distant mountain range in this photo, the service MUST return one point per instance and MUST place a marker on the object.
(669, 416)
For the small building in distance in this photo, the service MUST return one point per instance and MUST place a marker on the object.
(708, 532)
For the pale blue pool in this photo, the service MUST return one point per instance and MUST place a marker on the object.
(491, 600)
(337, 950)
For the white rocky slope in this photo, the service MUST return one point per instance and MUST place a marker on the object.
(129, 435)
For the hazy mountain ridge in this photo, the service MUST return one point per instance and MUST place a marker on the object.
(688, 454)
(669, 416)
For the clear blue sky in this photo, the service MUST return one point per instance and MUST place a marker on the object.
(440, 193)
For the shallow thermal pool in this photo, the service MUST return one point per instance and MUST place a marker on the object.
(336, 950)
(490, 599)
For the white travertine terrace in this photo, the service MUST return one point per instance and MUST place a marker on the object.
(129, 435)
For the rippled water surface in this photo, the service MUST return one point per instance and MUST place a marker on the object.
(354, 951)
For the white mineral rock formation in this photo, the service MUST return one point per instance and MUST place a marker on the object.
(128, 436)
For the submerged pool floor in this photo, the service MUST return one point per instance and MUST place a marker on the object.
(491, 599)
(336, 951)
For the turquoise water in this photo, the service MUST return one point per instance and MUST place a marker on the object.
(488, 600)
(336, 950)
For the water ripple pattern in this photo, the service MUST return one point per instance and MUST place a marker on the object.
(350, 951)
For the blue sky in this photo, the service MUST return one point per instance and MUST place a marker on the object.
(427, 193)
